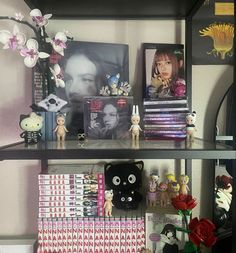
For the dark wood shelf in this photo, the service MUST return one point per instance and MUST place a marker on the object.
(116, 9)
(117, 149)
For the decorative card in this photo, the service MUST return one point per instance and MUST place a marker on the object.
(157, 226)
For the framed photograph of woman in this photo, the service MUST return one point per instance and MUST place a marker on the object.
(84, 69)
(164, 71)
(107, 117)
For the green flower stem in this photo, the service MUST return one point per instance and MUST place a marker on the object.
(191, 248)
(183, 230)
(185, 220)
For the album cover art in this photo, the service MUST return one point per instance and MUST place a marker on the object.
(107, 117)
(164, 71)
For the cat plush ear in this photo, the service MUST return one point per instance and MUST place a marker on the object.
(107, 167)
(140, 165)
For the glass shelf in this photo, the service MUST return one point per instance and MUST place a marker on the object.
(118, 149)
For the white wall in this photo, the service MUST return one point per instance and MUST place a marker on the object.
(18, 184)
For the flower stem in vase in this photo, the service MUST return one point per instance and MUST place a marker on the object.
(189, 247)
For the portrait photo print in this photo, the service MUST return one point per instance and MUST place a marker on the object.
(164, 75)
(85, 66)
(107, 117)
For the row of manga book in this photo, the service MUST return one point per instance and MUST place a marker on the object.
(71, 195)
(91, 235)
(165, 118)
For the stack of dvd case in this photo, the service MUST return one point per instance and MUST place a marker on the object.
(164, 118)
(71, 195)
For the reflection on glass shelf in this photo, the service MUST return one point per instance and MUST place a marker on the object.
(119, 149)
(142, 145)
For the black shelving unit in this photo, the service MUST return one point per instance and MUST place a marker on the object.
(113, 9)
(123, 9)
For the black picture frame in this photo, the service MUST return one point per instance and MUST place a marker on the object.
(110, 58)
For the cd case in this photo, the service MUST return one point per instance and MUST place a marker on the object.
(107, 117)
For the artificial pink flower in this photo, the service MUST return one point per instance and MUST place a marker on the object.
(59, 43)
(57, 75)
(179, 88)
(14, 40)
(31, 53)
(38, 18)
(19, 16)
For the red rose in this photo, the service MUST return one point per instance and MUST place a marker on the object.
(183, 202)
(202, 231)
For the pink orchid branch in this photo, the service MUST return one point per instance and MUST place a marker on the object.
(21, 22)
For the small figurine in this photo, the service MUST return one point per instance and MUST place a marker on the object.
(183, 182)
(31, 124)
(124, 89)
(154, 177)
(223, 200)
(170, 178)
(108, 203)
(60, 129)
(224, 192)
(113, 82)
(190, 126)
(174, 190)
(135, 128)
(114, 87)
(152, 194)
(164, 196)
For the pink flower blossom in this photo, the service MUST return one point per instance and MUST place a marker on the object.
(31, 53)
(59, 43)
(14, 40)
(57, 76)
(38, 18)
(179, 88)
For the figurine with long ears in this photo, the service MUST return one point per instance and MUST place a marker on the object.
(135, 128)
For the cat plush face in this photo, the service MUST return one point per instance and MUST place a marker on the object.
(127, 200)
(124, 176)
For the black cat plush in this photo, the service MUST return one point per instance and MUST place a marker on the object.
(125, 179)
